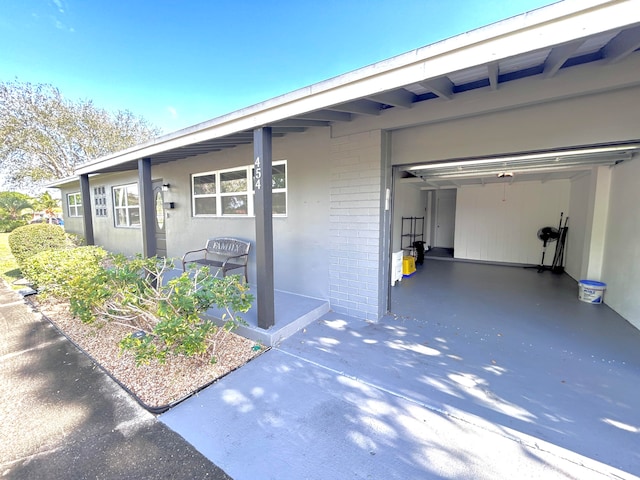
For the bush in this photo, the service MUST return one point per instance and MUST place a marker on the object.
(75, 240)
(65, 273)
(7, 225)
(30, 240)
(165, 317)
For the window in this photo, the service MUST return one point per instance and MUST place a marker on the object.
(227, 193)
(204, 194)
(126, 206)
(279, 188)
(100, 201)
(234, 195)
(74, 203)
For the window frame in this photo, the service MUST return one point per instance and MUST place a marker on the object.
(127, 208)
(249, 193)
(74, 208)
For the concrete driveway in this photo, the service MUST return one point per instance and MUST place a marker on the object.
(62, 417)
(442, 395)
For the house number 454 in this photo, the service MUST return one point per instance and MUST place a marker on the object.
(257, 175)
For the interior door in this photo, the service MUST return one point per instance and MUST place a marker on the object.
(160, 219)
(445, 218)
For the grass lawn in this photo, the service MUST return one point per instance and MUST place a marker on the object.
(8, 267)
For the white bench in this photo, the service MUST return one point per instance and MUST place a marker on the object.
(223, 253)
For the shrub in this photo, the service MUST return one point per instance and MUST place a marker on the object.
(30, 240)
(75, 240)
(7, 225)
(65, 273)
(164, 317)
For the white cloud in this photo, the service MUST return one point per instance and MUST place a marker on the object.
(173, 112)
(58, 3)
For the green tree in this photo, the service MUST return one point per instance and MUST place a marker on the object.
(15, 209)
(47, 204)
(13, 205)
(45, 135)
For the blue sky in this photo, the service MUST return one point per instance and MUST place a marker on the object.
(178, 63)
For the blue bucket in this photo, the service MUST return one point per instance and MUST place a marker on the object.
(591, 291)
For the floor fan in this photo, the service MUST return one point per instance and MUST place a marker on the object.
(546, 235)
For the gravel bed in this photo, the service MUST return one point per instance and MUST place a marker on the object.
(156, 385)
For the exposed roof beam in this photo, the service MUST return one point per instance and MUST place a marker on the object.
(294, 122)
(443, 87)
(622, 45)
(231, 138)
(558, 56)
(396, 98)
(280, 129)
(327, 115)
(362, 107)
(493, 71)
(206, 148)
(227, 143)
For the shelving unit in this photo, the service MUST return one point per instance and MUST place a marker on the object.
(412, 230)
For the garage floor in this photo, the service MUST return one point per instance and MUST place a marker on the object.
(530, 355)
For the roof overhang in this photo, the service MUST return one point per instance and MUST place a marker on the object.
(63, 182)
(539, 43)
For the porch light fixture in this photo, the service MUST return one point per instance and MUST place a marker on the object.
(166, 187)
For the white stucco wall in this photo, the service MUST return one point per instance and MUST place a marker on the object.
(579, 206)
(499, 223)
(621, 266)
(408, 201)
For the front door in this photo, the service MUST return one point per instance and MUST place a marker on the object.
(160, 219)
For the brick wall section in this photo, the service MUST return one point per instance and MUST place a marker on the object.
(355, 225)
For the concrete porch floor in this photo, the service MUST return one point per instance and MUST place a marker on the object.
(481, 372)
(292, 313)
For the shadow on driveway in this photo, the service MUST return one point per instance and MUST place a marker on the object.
(62, 417)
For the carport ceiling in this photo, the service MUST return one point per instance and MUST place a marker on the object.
(532, 166)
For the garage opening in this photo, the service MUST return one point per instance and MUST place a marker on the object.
(489, 211)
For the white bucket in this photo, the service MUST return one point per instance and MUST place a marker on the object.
(591, 291)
